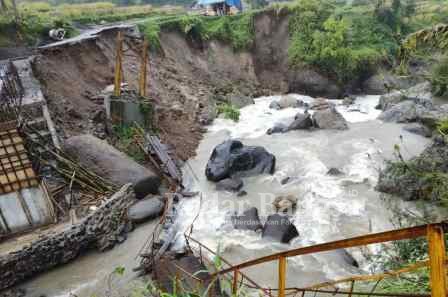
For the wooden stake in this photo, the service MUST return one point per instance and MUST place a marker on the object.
(436, 247)
(281, 276)
(118, 67)
(144, 61)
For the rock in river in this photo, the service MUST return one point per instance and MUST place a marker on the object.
(279, 228)
(232, 159)
(329, 118)
(278, 128)
(249, 220)
(418, 129)
(111, 164)
(334, 171)
(287, 101)
(229, 184)
(403, 112)
(301, 121)
(285, 203)
(145, 209)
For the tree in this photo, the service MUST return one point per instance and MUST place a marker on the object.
(410, 8)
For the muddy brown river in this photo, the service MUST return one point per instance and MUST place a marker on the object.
(329, 207)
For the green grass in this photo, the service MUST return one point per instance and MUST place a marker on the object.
(37, 18)
(236, 30)
(124, 140)
(229, 111)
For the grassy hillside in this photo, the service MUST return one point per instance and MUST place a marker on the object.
(35, 19)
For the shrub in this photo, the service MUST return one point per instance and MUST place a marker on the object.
(238, 30)
(125, 141)
(439, 78)
(230, 112)
(442, 127)
(322, 40)
(151, 31)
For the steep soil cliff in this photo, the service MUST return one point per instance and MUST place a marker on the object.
(186, 78)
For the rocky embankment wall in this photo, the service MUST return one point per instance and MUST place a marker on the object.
(103, 229)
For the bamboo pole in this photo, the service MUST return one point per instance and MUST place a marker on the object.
(118, 67)
(281, 276)
(437, 254)
(142, 78)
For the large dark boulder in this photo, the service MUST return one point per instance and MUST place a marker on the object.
(232, 159)
(329, 118)
(112, 164)
(229, 184)
(301, 121)
(146, 209)
(279, 228)
(248, 220)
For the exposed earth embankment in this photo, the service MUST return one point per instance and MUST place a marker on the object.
(187, 78)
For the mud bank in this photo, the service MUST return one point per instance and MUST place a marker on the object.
(186, 79)
(101, 230)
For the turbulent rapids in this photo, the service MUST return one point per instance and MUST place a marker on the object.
(329, 207)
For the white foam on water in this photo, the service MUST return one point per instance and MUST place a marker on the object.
(364, 109)
(324, 200)
(257, 118)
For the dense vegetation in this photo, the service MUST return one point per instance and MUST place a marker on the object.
(236, 30)
(347, 41)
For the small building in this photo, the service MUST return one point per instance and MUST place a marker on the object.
(24, 201)
(220, 7)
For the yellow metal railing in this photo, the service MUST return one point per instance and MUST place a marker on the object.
(434, 234)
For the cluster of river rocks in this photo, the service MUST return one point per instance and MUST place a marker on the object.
(416, 179)
(325, 115)
(231, 160)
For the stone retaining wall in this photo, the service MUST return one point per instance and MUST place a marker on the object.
(103, 229)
